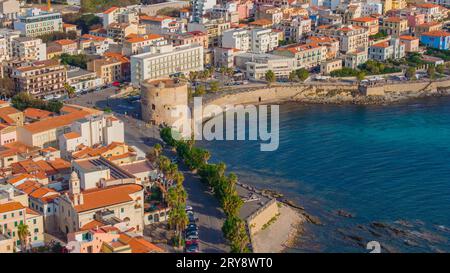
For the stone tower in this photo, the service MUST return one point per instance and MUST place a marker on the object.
(74, 189)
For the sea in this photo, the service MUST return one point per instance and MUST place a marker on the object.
(368, 172)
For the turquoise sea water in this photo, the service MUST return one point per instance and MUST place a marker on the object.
(388, 166)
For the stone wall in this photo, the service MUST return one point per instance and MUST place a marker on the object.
(261, 217)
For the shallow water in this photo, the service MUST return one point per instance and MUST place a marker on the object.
(385, 164)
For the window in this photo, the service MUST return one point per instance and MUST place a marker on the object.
(122, 210)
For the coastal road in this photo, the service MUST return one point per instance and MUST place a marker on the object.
(206, 207)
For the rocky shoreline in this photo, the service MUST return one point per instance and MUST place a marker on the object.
(296, 221)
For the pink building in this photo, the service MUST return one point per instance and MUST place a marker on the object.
(91, 238)
(415, 19)
(8, 134)
(245, 9)
(411, 43)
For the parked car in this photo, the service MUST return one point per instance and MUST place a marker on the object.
(192, 237)
(191, 227)
(191, 216)
(188, 208)
(193, 248)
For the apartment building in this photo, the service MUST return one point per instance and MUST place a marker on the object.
(67, 46)
(351, 38)
(200, 7)
(142, 44)
(99, 129)
(13, 214)
(107, 69)
(29, 49)
(368, 8)
(331, 44)
(167, 60)
(237, 38)
(254, 40)
(436, 39)
(9, 9)
(411, 43)
(370, 23)
(111, 15)
(433, 12)
(395, 26)
(392, 49)
(161, 24)
(36, 23)
(307, 55)
(295, 28)
(427, 27)
(255, 65)
(186, 38)
(41, 78)
(213, 28)
(118, 31)
(91, 44)
(6, 38)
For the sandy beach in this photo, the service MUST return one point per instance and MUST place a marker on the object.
(280, 234)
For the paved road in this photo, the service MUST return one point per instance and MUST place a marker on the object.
(137, 133)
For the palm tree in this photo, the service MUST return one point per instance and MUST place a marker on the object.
(157, 148)
(22, 232)
(178, 219)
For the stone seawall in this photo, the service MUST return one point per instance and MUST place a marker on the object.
(327, 93)
(410, 87)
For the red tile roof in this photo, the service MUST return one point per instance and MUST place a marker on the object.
(437, 33)
(104, 197)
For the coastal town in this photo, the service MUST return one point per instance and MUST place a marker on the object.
(88, 163)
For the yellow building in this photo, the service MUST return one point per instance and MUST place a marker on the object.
(395, 26)
(13, 214)
(124, 203)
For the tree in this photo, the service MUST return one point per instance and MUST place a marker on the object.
(431, 72)
(22, 233)
(410, 72)
(293, 76)
(302, 74)
(78, 60)
(70, 90)
(193, 75)
(178, 219)
(360, 76)
(235, 232)
(214, 86)
(6, 87)
(24, 100)
(199, 90)
(440, 68)
(270, 77)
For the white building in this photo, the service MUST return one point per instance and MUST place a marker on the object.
(263, 40)
(200, 7)
(392, 49)
(29, 49)
(99, 129)
(166, 61)
(370, 7)
(9, 9)
(37, 22)
(82, 80)
(6, 38)
(237, 38)
(256, 40)
(256, 65)
(111, 15)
